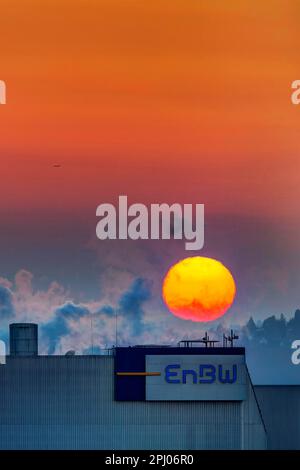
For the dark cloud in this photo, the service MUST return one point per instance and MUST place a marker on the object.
(54, 330)
(72, 311)
(6, 303)
(107, 310)
(129, 309)
(131, 302)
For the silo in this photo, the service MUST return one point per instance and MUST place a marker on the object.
(23, 339)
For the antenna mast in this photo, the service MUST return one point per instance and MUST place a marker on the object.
(92, 334)
(116, 315)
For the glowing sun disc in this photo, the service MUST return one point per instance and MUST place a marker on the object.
(198, 289)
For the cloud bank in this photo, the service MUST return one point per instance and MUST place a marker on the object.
(94, 327)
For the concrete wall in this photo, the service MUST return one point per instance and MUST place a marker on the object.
(52, 402)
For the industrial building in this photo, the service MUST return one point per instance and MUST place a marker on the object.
(151, 397)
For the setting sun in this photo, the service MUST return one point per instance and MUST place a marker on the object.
(198, 289)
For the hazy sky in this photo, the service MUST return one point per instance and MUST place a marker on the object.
(164, 101)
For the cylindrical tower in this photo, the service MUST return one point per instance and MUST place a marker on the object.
(23, 339)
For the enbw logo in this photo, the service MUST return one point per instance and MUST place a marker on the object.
(206, 374)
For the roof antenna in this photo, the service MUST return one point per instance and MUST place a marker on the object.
(92, 335)
(232, 337)
(116, 315)
(209, 343)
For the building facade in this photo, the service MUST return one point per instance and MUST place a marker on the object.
(140, 398)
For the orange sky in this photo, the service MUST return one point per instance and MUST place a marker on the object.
(172, 100)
